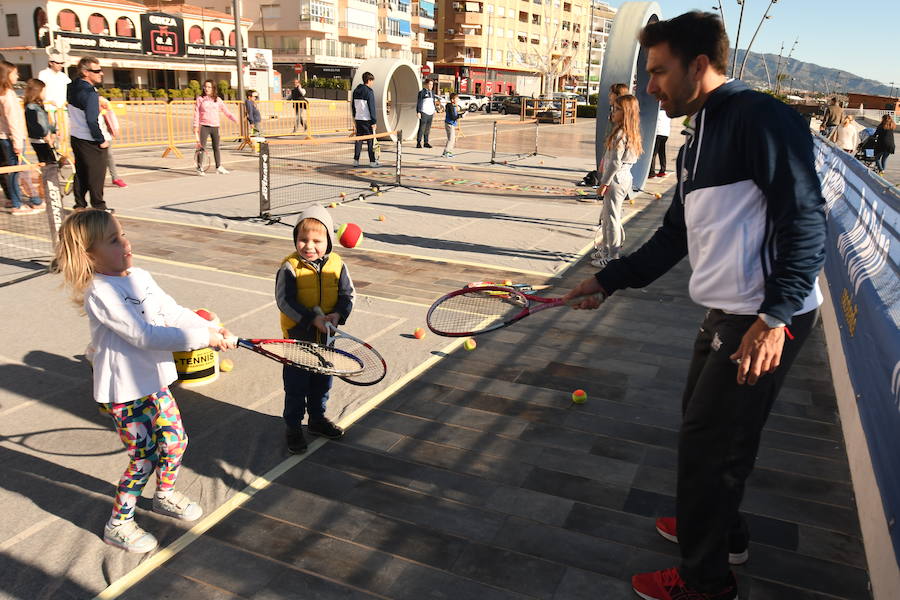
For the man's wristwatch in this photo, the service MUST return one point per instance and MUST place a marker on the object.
(771, 321)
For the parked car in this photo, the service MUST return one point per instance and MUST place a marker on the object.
(495, 102)
(471, 102)
(512, 105)
(551, 112)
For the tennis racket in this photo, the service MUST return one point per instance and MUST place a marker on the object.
(474, 310)
(201, 159)
(374, 366)
(304, 355)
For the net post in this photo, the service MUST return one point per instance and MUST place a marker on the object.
(53, 194)
(494, 144)
(535, 137)
(265, 203)
(399, 159)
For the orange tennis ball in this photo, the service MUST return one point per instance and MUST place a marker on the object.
(470, 344)
(381, 217)
(657, 196)
(226, 365)
(332, 205)
(343, 194)
(579, 396)
(419, 333)
(350, 235)
(507, 282)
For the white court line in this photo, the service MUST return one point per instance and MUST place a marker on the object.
(155, 561)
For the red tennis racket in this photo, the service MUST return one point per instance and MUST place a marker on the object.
(304, 355)
(479, 309)
(374, 366)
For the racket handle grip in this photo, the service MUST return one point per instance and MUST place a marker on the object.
(232, 339)
(318, 310)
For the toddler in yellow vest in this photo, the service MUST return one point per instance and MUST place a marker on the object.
(311, 276)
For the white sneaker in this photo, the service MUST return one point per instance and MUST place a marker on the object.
(599, 262)
(201, 172)
(177, 505)
(128, 536)
(222, 171)
(598, 253)
(355, 162)
(375, 164)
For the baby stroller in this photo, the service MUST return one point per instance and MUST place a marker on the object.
(865, 150)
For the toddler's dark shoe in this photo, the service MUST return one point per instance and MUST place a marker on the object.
(325, 428)
(296, 443)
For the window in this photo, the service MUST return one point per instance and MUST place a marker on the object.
(271, 11)
(12, 25)
(98, 25)
(523, 16)
(68, 20)
(42, 32)
(320, 12)
(216, 37)
(567, 7)
(195, 35)
(535, 19)
(566, 26)
(501, 11)
(124, 27)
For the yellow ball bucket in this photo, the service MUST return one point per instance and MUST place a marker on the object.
(198, 367)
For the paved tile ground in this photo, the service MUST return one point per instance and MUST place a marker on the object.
(480, 479)
(477, 479)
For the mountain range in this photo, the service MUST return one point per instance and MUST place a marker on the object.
(807, 76)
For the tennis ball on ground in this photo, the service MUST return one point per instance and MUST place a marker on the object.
(226, 365)
(579, 396)
(470, 344)
(350, 235)
(332, 205)
(378, 193)
(657, 196)
(381, 217)
(507, 282)
(419, 333)
(343, 194)
(206, 314)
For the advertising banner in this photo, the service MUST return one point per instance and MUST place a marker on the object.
(862, 258)
(162, 34)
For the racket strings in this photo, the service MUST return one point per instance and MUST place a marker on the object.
(374, 368)
(474, 311)
(314, 357)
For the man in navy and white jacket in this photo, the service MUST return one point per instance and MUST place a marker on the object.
(364, 117)
(749, 214)
(88, 143)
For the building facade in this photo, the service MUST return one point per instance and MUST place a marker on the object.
(331, 38)
(602, 15)
(160, 46)
(512, 46)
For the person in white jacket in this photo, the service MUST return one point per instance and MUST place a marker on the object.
(663, 129)
(623, 148)
(846, 135)
(135, 326)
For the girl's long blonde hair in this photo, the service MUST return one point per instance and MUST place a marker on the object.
(76, 237)
(630, 126)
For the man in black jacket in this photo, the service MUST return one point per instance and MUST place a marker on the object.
(425, 108)
(364, 116)
(749, 213)
(88, 143)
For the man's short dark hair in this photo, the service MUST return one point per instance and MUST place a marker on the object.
(85, 64)
(367, 77)
(690, 35)
(452, 96)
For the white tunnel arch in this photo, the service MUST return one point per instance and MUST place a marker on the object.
(397, 83)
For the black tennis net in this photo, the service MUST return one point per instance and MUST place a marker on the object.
(30, 237)
(294, 174)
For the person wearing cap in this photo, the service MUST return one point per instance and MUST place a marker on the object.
(56, 82)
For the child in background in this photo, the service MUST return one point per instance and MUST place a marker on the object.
(109, 125)
(253, 116)
(135, 326)
(207, 111)
(623, 147)
(311, 276)
(13, 132)
(452, 115)
(41, 133)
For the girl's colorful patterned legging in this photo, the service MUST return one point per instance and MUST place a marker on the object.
(151, 430)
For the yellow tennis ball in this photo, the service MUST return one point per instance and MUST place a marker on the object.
(332, 205)
(470, 344)
(226, 365)
(579, 396)
(657, 196)
(343, 194)
(379, 193)
(507, 282)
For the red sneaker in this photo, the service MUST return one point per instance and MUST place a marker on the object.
(668, 585)
(651, 175)
(666, 527)
(119, 183)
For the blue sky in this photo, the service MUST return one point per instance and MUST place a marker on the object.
(858, 37)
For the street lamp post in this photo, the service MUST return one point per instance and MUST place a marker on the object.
(239, 48)
(737, 38)
(587, 68)
(753, 39)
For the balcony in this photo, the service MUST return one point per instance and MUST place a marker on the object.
(393, 39)
(419, 41)
(468, 18)
(357, 31)
(316, 23)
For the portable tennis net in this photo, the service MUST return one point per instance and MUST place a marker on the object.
(294, 174)
(514, 141)
(30, 238)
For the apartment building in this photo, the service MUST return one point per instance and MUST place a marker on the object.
(512, 46)
(331, 38)
(157, 44)
(602, 17)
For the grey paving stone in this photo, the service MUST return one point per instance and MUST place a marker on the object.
(813, 574)
(542, 434)
(800, 486)
(803, 445)
(435, 513)
(635, 432)
(374, 439)
(509, 570)
(482, 421)
(826, 516)
(575, 487)
(245, 574)
(618, 526)
(419, 582)
(413, 542)
(319, 479)
(544, 508)
(831, 546)
(579, 584)
(364, 463)
(614, 472)
(167, 585)
(292, 584)
(760, 589)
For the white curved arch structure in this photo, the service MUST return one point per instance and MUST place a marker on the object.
(625, 62)
(396, 85)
